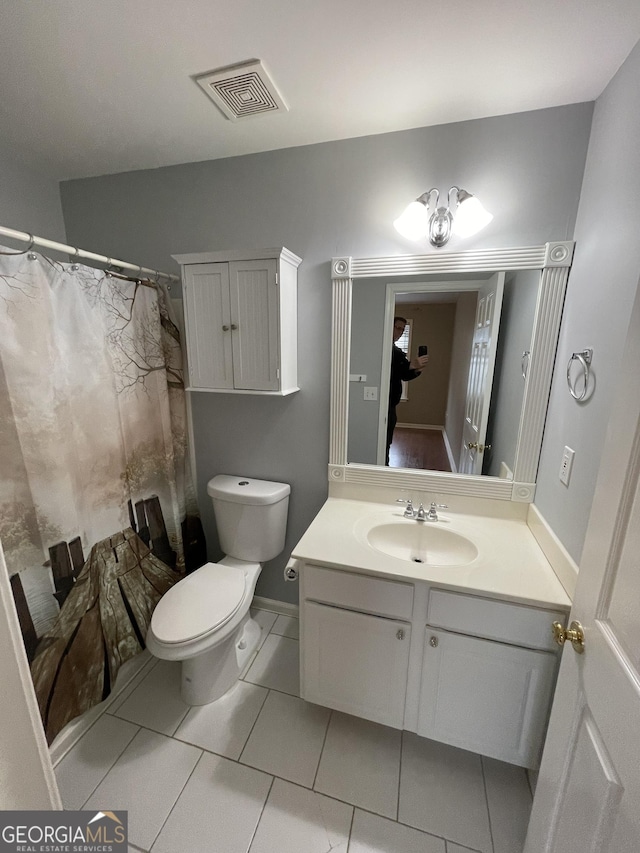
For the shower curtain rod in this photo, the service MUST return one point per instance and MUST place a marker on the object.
(80, 253)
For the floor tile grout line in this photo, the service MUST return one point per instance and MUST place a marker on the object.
(164, 822)
(244, 746)
(402, 742)
(324, 742)
(264, 805)
(486, 799)
(119, 756)
(107, 709)
(353, 817)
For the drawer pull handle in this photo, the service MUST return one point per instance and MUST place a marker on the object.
(433, 642)
(400, 634)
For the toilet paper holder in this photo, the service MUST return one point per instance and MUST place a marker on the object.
(291, 571)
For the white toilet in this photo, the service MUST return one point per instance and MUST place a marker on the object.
(204, 619)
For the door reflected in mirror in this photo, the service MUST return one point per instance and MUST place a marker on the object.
(462, 412)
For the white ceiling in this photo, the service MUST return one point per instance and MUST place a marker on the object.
(90, 87)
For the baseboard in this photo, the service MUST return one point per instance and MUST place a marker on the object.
(132, 671)
(562, 563)
(421, 426)
(282, 607)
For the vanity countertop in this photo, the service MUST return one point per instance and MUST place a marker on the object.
(510, 564)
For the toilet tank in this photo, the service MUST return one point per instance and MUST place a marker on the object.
(251, 516)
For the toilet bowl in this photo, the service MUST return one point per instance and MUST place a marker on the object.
(204, 622)
(204, 619)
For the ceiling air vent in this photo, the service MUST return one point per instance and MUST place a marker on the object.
(242, 90)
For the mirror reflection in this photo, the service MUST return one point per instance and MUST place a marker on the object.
(461, 413)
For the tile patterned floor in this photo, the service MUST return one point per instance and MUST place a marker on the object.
(262, 771)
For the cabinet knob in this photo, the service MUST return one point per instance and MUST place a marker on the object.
(233, 326)
(433, 642)
(225, 328)
(400, 634)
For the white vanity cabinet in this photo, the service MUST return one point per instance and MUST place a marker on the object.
(241, 321)
(463, 669)
(487, 677)
(355, 661)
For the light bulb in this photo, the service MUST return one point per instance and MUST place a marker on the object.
(470, 216)
(414, 222)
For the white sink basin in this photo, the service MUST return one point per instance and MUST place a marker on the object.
(422, 542)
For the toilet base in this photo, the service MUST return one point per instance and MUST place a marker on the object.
(208, 676)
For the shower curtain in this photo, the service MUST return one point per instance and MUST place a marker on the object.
(97, 511)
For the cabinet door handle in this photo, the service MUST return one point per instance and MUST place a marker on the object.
(433, 642)
(400, 634)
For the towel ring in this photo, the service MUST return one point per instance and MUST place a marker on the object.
(584, 358)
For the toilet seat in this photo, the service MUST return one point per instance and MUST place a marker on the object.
(199, 604)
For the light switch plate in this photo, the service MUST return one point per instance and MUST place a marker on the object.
(371, 393)
(566, 465)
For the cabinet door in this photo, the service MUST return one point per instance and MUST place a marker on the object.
(485, 696)
(207, 313)
(254, 318)
(355, 663)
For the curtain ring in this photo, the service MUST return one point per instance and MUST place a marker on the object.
(584, 358)
(24, 251)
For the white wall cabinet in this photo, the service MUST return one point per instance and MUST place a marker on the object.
(468, 670)
(241, 321)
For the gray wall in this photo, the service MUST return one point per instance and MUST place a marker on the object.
(601, 290)
(28, 202)
(321, 201)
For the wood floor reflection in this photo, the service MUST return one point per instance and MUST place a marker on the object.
(418, 448)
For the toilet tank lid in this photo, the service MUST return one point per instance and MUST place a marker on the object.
(247, 490)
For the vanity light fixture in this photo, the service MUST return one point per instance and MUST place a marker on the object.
(422, 219)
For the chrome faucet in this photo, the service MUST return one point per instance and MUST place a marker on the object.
(433, 515)
(419, 514)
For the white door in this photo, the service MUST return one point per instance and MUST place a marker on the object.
(207, 313)
(480, 380)
(588, 793)
(254, 324)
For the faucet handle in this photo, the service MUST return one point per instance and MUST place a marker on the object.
(433, 515)
(409, 511)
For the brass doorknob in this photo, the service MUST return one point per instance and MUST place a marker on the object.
(574, 633)
(473, 445)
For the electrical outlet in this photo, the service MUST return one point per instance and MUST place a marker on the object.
(371, 393)
(566, 465)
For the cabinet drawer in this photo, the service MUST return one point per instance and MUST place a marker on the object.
(360, 592)
(496, 620)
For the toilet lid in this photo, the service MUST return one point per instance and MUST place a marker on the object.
(199, 603)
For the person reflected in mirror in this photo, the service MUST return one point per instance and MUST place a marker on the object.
(402, 370)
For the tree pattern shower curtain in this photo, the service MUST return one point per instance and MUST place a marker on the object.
(97, 509)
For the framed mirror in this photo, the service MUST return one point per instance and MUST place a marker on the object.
(488, 398)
